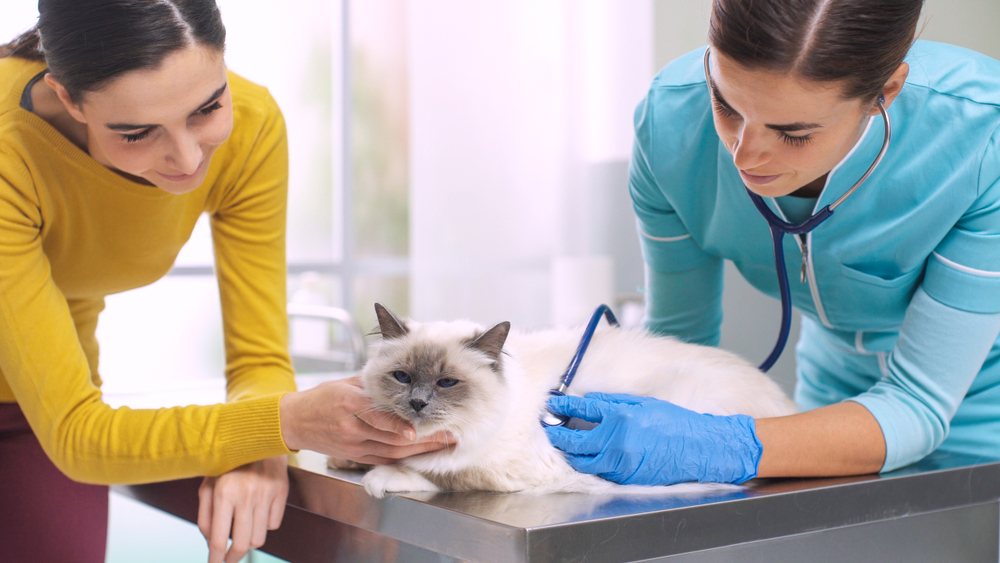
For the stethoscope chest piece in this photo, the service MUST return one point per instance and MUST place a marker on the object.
(553, 419)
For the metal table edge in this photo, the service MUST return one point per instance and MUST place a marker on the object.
(765, 514)
(390, 517)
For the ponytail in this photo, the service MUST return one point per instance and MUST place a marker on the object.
(28, 45)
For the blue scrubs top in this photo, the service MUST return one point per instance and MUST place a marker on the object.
(901, 308)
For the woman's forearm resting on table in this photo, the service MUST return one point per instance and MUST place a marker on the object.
(840, 439)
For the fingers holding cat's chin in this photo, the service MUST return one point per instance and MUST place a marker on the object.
(398, 431)
(390, 454)
(387, 422)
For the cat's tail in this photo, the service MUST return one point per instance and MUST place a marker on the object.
(575, 482)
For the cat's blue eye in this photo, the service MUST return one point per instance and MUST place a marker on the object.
(401, 376)
(447, 382)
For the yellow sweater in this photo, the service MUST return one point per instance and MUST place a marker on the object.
(72, 231)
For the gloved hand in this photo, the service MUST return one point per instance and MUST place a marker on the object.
(646, 441)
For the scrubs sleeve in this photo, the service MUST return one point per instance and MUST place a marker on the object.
(686, 304)
(683, 282)
(964, 270)
(940, 351)
(951, 325)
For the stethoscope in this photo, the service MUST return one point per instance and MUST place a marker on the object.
(779, 227)
(551, 419)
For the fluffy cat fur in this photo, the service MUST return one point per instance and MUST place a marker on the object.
(489, 389)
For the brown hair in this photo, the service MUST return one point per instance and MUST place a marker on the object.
(859, 42)
(88, 44)
(25, 46)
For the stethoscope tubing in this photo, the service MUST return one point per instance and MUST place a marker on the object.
(581, 349)
(550, 419)
(779, 227)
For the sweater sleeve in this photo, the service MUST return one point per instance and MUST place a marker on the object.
(44, 361)
(248, 235)
(85, 313)
(683, 282)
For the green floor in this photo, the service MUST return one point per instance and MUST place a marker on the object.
(137, 532)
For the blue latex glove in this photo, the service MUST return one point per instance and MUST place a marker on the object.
(646, 441)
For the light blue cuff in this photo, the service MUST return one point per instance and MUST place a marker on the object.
(940, 351)
(908, 436)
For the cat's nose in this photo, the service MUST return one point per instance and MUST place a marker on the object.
(417, 404)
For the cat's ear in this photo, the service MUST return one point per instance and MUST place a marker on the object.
(389, 326)
(491, 342)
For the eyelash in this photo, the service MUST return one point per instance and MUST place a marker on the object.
(785, 137)
(721, 109)
(210, 108)
(136, 137)
(795, 141)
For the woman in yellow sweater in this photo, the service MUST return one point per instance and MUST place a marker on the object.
(119, 126)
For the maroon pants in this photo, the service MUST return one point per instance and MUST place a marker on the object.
(44, 516)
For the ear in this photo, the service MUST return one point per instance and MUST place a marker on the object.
(64, 97)
(491, 342)
(892, 87)
(389, 326)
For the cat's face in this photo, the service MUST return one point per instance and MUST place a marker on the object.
(437, 376)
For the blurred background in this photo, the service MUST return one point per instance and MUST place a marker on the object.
(448, 159)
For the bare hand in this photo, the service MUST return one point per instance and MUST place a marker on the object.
(337, 418)
(250, 500)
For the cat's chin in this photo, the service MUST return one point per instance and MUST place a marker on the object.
(428, 428)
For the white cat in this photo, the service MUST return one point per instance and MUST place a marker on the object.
(489, 389)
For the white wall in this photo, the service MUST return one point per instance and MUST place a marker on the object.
(970, 23)
(513, 105)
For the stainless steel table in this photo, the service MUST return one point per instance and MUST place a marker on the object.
(943, 509)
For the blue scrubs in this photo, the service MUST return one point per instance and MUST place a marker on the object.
(901, 308)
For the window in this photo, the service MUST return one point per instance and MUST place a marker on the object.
(338, 71)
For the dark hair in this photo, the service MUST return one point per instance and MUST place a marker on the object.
(860, 42)
(86, 44)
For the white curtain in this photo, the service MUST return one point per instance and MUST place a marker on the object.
(521, 128)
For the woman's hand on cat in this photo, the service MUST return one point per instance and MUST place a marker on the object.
(337, 418)
(249, 500)
(646, 441)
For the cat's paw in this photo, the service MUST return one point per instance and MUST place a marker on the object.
(394, 479)
(340, 463)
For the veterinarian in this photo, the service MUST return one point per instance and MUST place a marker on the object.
(119, 126)
(899, 289)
